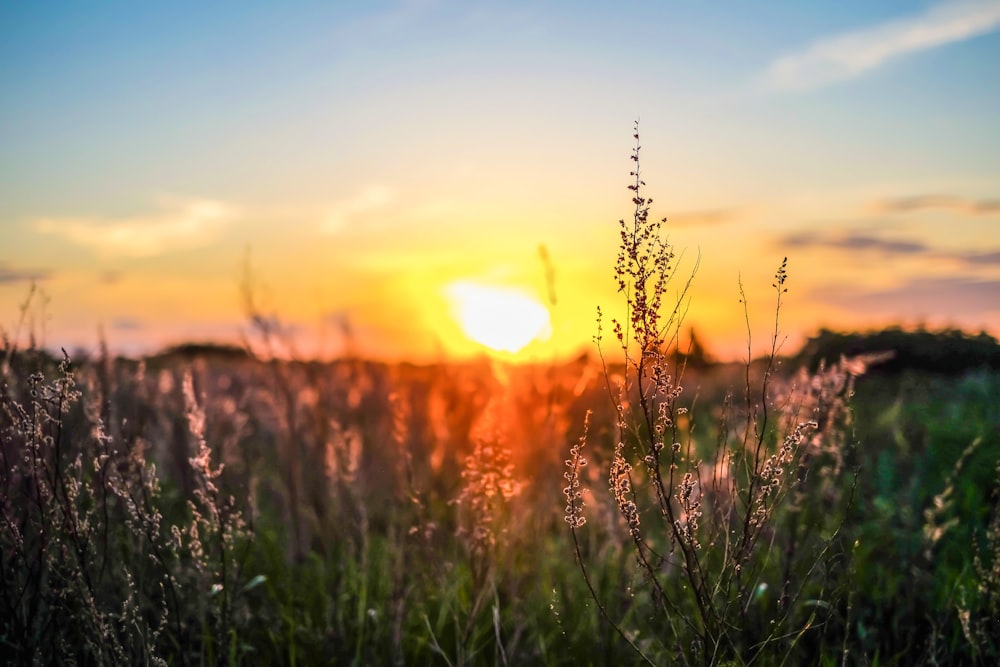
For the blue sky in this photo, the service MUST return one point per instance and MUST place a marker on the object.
(370, 154)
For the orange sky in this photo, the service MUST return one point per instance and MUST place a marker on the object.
(368, 156)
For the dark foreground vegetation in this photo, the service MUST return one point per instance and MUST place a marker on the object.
(232, 508)
(211, 510)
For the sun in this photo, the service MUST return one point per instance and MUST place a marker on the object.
(503, 319)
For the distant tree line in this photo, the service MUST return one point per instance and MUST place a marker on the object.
(948, 351)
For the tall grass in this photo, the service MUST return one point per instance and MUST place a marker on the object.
(99, 564)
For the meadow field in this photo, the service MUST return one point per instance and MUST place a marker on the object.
(639, 504)
(203, 508)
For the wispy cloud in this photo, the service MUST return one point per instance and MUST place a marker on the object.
(127, 324)
(938, 298)
(853, 241)
(980, 258)
(341, 215)
(931, 201)
(849, 55)
(181, 225)
(10, 275)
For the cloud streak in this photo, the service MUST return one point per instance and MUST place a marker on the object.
(342, 215)
(854, 241)
(853, 54)
(127, 324)
(931, 201)
(9, 276)
(182, 225)
(981, 258)
(938, 298)
(861, 242)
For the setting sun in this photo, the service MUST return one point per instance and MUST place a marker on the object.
(501, 318)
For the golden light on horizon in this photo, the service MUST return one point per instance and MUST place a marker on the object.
(504, 319)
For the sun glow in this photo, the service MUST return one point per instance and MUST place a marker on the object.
(501, 318)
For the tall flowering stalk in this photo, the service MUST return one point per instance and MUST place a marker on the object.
(574, 496)
(706, 535)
